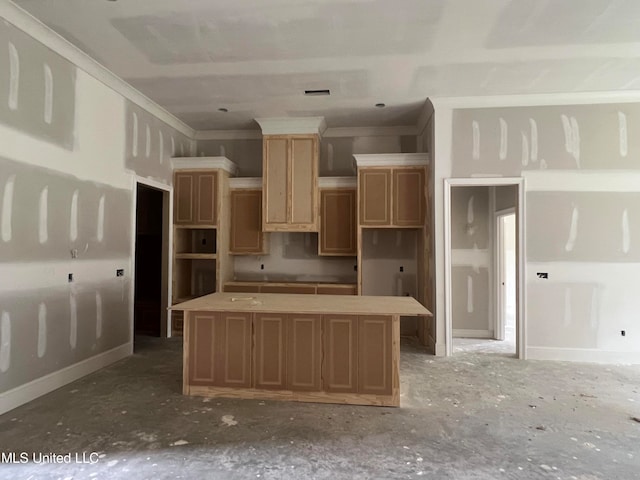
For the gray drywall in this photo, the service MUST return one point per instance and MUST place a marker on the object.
(506, 197)
(245, 153)
(469, 218)
(293, 257)
(583, 226)
(37, 88)
(566, 315)
(506, 141)
(336, 153)
(45, 335)
(150, 144)
(384, 253)
(39, 221)
(471, 298)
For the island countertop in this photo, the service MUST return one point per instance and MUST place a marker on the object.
(306, 304)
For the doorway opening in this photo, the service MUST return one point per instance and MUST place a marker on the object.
(484, 266)
(151, 264)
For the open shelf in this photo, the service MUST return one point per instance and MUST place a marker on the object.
(196, 256)
(193, 241)
(193, 277)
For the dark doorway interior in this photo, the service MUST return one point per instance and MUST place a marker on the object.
(148, 275)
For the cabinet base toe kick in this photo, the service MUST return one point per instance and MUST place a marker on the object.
(291, 396)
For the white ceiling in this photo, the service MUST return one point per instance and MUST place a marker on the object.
(256, 57)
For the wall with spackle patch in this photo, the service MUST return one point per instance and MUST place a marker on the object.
(582, 213)
(66, 207)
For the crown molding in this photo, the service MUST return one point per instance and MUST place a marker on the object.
(196, 163)
(391, 159)
(237, 183)
(292, 125)
(45, 35)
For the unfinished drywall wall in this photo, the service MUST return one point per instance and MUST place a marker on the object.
(471, 261)
(151, 143)
(245, 153)
(37, 87)
(581, 179)
(293, 257)
(66, 206)
(336, 150)
(390, 267)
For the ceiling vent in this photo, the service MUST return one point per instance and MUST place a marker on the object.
(316, 93)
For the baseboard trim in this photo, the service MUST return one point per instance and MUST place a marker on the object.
(36, 388)
(463, 333)
(585, 355)
(440, 349)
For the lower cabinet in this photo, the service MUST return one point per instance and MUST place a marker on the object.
(340, 339)
(220, 349)
(295, 352)
(287, 352)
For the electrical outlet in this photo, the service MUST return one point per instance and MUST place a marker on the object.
(262, 266)
(401, 268)
(623, 333)
(70, 277)
(120, 272)
(543, 275)
(204, 241)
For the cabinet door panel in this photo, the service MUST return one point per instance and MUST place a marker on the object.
(207, 204)
(303, 181)
(275, 180)
(233, 355)
(338, 222)
(246, 221)
(340, 345)
(374, 355)
(408, 205)
(202, 340)
(269, 357)
(184, 196)
(375, 197)
(303, 352)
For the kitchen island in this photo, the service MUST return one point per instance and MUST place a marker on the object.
(309, 348)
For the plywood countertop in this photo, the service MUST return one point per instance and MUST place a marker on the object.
(300, 303)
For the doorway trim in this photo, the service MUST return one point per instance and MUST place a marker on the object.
(521, 323)
(498, 266)
(167, 243)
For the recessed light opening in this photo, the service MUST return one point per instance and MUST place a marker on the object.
(224, 110)
(317, 92)
(380, 105)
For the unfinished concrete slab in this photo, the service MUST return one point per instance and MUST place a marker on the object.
(471, 416)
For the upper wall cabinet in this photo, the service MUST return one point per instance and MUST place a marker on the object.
(391, 190)
(247, 237)
(290, 175)
(338, 223)
(195, 198)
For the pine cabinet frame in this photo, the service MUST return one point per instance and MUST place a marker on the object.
(290, 188)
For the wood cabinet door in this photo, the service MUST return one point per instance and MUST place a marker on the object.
(246, 222)
(303, 166)
(374, 196)
(338, 223)
(408, 197)
(270, 351)
(374, 355)
(206, 198)
(275, 181)
(340, 352)
(203, 362)
(304, 356)
(233, 350)
(184, 190)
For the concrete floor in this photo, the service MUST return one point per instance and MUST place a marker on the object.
(475, 415)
